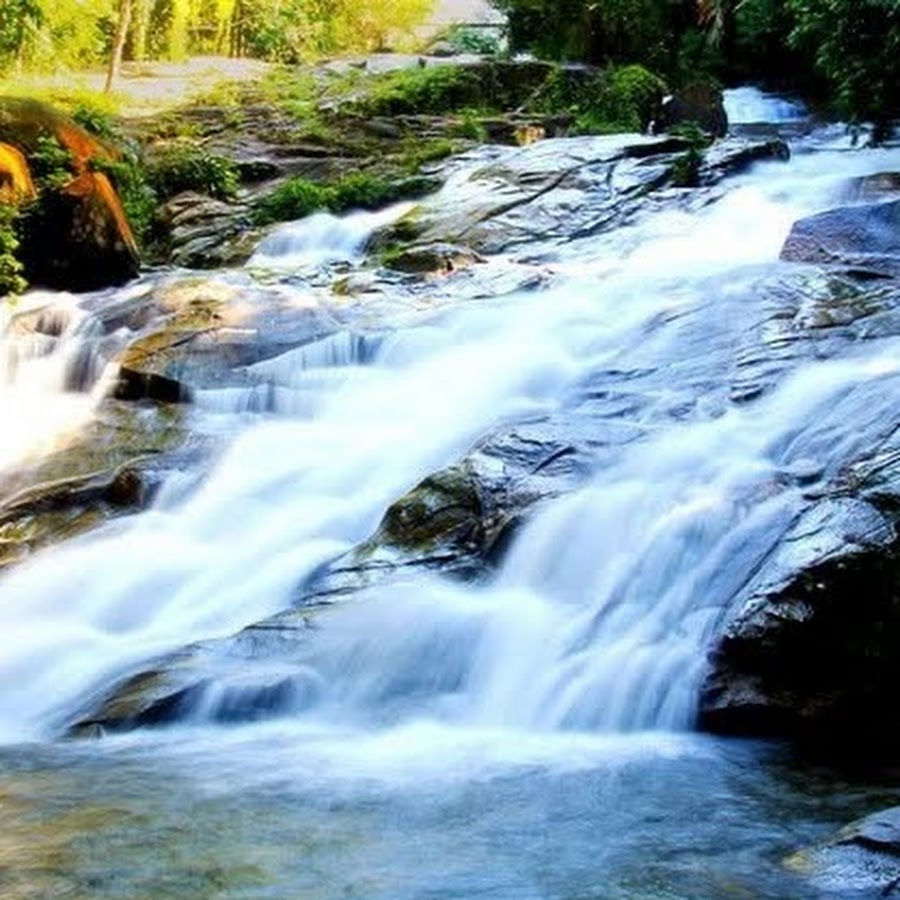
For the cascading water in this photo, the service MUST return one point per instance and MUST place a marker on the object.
(596, 625)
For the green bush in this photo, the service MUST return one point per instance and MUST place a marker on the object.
(467, 39)
(50, 163)
(188, 166)
(298, 197)
(633, 97)
(294, 199)
(139, 199)
(431, 91)
(11, 281)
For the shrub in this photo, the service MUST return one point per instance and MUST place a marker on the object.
(188, 166)
(467, 39)
(435, 90)
(633, 97)
(299, 197)
(11, 281)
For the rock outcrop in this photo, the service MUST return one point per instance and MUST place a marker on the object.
(864, 238)
(862, 860)
(559, 189)
(76, 235)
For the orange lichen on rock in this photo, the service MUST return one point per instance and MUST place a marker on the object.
(81, 145)
(23, 122)
(16, 186)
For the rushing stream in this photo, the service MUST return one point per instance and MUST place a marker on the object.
(526, 738)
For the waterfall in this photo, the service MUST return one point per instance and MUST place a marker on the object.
(747, 106)
(605, 605)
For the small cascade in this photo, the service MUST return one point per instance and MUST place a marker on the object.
(50, 365)
(294, 383)
(322, 238)
(751, 106)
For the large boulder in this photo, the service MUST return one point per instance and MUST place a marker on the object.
(76, 236)
(864, 237)
(862, 860)
(812, 652)
(698, 104)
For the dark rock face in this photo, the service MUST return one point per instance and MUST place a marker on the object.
(79, 238)
(863, 237)
(697, 104)
(811, 652)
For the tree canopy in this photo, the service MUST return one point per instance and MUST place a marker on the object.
(848, 50)
(72, 33)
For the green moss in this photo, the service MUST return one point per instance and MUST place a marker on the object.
(432, 91)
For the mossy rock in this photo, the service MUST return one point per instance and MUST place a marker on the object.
(443, 510)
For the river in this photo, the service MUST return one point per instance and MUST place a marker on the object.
(530, 737)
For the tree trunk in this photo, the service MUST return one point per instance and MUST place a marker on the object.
(118, 48)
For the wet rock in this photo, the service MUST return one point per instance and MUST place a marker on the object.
(498, 198)
(865, 237)
(813, 656)
(205, 233)
(110, 468)
(861, 860)
(215, 678)
(432, 259)
(736, 155)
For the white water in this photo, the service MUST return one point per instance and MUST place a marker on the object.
(321, 238)
(747, 105)
(43, 374)
(604, 608)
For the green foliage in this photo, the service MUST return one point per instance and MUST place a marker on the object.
(188, 166)
(608, 32)
(433, 90)
(54, 34)
(466, 39)
(299, 197)
(686, 168)
(856, 47)
(633, 97)
(50, 162)
(139, 199)
(11, 281)
(470, 127)
(94, 118)
(19, 19)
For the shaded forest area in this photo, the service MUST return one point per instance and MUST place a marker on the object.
(846, 53)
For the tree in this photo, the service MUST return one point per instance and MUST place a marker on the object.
(18, 20)
(856, 47)
(123, 23)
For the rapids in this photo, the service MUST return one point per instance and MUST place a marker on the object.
(528, 737)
